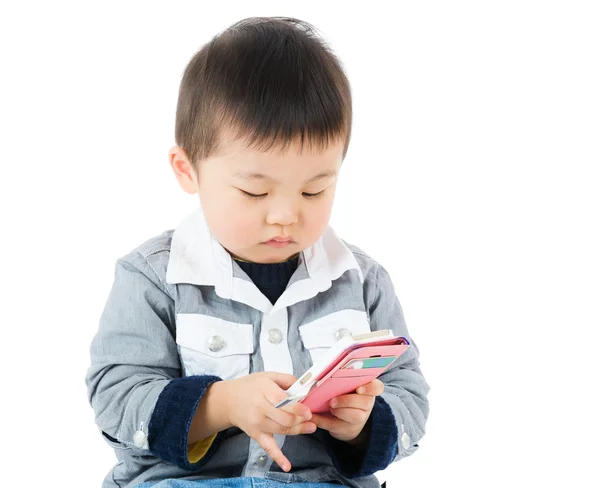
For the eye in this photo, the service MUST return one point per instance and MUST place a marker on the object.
(312, 195)
(252, 195)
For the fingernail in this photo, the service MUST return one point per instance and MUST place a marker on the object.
(333, 403)
(361, 390)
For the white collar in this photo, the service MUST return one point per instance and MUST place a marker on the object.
(198, 258)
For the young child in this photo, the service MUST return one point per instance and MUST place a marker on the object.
(206, 325)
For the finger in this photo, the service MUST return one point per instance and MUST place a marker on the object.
(288, 415)
(273, 427)
(286, 419)
(374, 388)
(269, 444)
(352, 400)
(274, 395)
(282, 380)
(300, 410)
(328, 422)
(352, 416)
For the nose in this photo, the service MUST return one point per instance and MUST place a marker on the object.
(282, 212)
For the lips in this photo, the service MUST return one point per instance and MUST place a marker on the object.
(278, 242)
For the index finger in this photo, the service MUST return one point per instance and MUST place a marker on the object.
(269, 444)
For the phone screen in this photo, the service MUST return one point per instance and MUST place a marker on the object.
(379, 362)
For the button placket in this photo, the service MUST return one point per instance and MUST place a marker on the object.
(276, 357)
(273, 344)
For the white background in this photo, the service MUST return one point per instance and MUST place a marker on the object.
(472, 176)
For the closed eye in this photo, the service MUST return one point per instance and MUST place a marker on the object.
(304, 194)
(312, 195)
(252, 195)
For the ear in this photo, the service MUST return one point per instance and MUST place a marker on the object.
(183, 169)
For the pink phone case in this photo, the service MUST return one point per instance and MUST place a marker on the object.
(338, 381)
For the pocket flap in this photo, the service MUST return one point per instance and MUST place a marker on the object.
(200, 332)
(325, 331)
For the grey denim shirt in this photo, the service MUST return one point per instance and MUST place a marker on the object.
(182, 314)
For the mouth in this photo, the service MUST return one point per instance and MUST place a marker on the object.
(279, 242)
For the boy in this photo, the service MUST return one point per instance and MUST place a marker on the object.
(207, 325)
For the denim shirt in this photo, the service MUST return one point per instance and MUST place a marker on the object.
(182, 314)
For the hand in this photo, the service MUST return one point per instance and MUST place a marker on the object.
(250, 402)
(350, 413)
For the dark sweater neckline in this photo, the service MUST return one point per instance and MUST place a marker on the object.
(270, 278)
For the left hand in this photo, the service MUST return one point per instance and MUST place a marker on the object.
(350, 412)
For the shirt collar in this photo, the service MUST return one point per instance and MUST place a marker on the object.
(197, 258)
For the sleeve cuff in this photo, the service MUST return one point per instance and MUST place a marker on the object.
(381, 448)
(171, 419)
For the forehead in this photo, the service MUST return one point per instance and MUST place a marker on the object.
(236, 159)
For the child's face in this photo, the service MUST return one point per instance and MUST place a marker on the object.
(285, 180)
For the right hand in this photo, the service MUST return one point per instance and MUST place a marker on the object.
(250, 405)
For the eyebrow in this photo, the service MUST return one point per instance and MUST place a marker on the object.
(249, 175)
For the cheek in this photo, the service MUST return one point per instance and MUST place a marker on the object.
(231, 220)
(318, 218)
(239, 223)
(243, 225)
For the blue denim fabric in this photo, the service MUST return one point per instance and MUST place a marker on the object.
(234, 483)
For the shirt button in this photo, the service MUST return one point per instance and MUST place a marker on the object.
(139, 439)
(216, 343)
(262, 460)
(405, 440)
(275, 336)
(341, 333)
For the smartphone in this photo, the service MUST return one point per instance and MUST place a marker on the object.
(357, 365)
(357, 368)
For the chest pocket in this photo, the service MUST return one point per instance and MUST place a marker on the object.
(213, 346)
(319, 335)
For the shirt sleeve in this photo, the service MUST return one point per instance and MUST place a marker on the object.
(397, 421)
(135, 385)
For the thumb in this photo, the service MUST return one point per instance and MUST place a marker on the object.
(282, 380)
